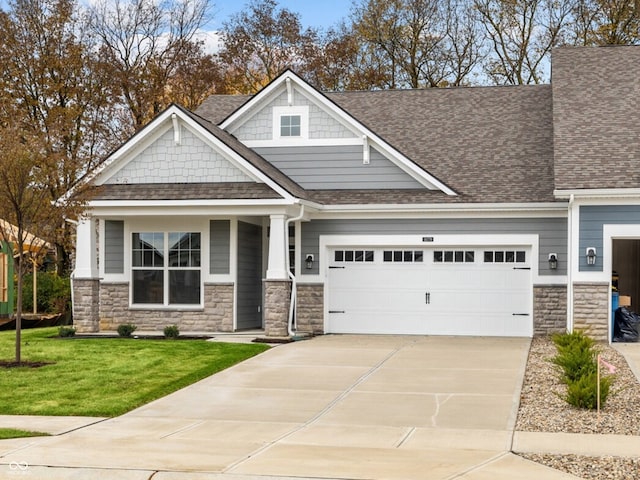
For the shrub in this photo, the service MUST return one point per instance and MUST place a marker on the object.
(66, 332)
(171, 331)
(576, 355)
(577, 358)
(54, 293)
(126, 329)
(582, 393)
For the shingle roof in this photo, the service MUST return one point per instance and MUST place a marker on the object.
(184, 191)
(596, 112)
(490, 144)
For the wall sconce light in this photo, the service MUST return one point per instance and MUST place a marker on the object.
(591, 254)
(553, 261)
(309, 261)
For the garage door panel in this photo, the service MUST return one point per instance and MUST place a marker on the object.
(427, 297)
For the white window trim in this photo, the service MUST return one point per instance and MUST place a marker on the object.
(279, 112)
(165, 273)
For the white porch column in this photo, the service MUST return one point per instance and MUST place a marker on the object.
(277, 265)
(86, 249)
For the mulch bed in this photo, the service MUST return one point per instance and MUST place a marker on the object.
(14, 364)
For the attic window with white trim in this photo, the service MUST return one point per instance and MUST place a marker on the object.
(291, 123)
(290, 126)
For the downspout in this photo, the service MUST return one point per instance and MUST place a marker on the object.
(570, 255)
(292, 277)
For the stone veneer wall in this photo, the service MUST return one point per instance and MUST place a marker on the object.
(591, 309)
(217, 315)
(85, 305)
(310, 308)
(549, 309)
(277, 298)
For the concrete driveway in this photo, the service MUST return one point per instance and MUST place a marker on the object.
(338, 406)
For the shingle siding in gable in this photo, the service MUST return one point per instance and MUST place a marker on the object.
(596, 112)
(321, 125)
(166, 162)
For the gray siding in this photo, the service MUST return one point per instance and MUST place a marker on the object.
(321, 124)
(592, 219)
(193, 161)
(113, 246)
(219, 246)
(249, 296)
(552, 233)
(337, 168)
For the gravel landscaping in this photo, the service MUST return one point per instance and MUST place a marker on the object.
(543, 410)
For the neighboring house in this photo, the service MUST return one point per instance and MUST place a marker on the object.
(462, 211)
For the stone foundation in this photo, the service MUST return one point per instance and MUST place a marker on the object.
(549, 309)
(216, 316)
(85, 305)
(310, 308)
(591, 309)
(277, 298)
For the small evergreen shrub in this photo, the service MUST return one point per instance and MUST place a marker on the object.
(576, 355)
(66, 332)
(126, 329)
(577, 359)
(171, 332)
(582, 393)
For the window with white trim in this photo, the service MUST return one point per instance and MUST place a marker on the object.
(290, 125)
(166, 268)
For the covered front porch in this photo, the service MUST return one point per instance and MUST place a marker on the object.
(206, 270)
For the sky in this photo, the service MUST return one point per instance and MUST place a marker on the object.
(313, 13)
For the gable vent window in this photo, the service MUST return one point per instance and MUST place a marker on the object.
(508, 256)
(454, 256)
(403, 256)
(290, 125)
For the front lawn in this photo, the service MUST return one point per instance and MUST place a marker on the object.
(6, 433)
(105, 377)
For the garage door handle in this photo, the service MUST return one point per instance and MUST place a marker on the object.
(520, 314)
(336, 311)
(522, 268)
(427, 298)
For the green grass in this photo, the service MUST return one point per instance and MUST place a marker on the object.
(15, 433)
(105, 377)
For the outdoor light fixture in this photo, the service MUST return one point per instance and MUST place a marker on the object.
(553, 261)
(591, 255)
(309, 261)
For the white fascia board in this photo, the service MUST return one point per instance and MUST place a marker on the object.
(598, 193)
(346, 119)
(472, 210)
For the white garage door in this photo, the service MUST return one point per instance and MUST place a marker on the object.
(439, 291)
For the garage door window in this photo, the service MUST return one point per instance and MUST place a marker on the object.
(505, 256)
(353, 256)
(403, 256)
(454, 256)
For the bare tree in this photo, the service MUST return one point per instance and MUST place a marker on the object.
(142, 45)
(260, 42)
(606, 22)
(520, 36)
(428, 43)
(29, 217)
